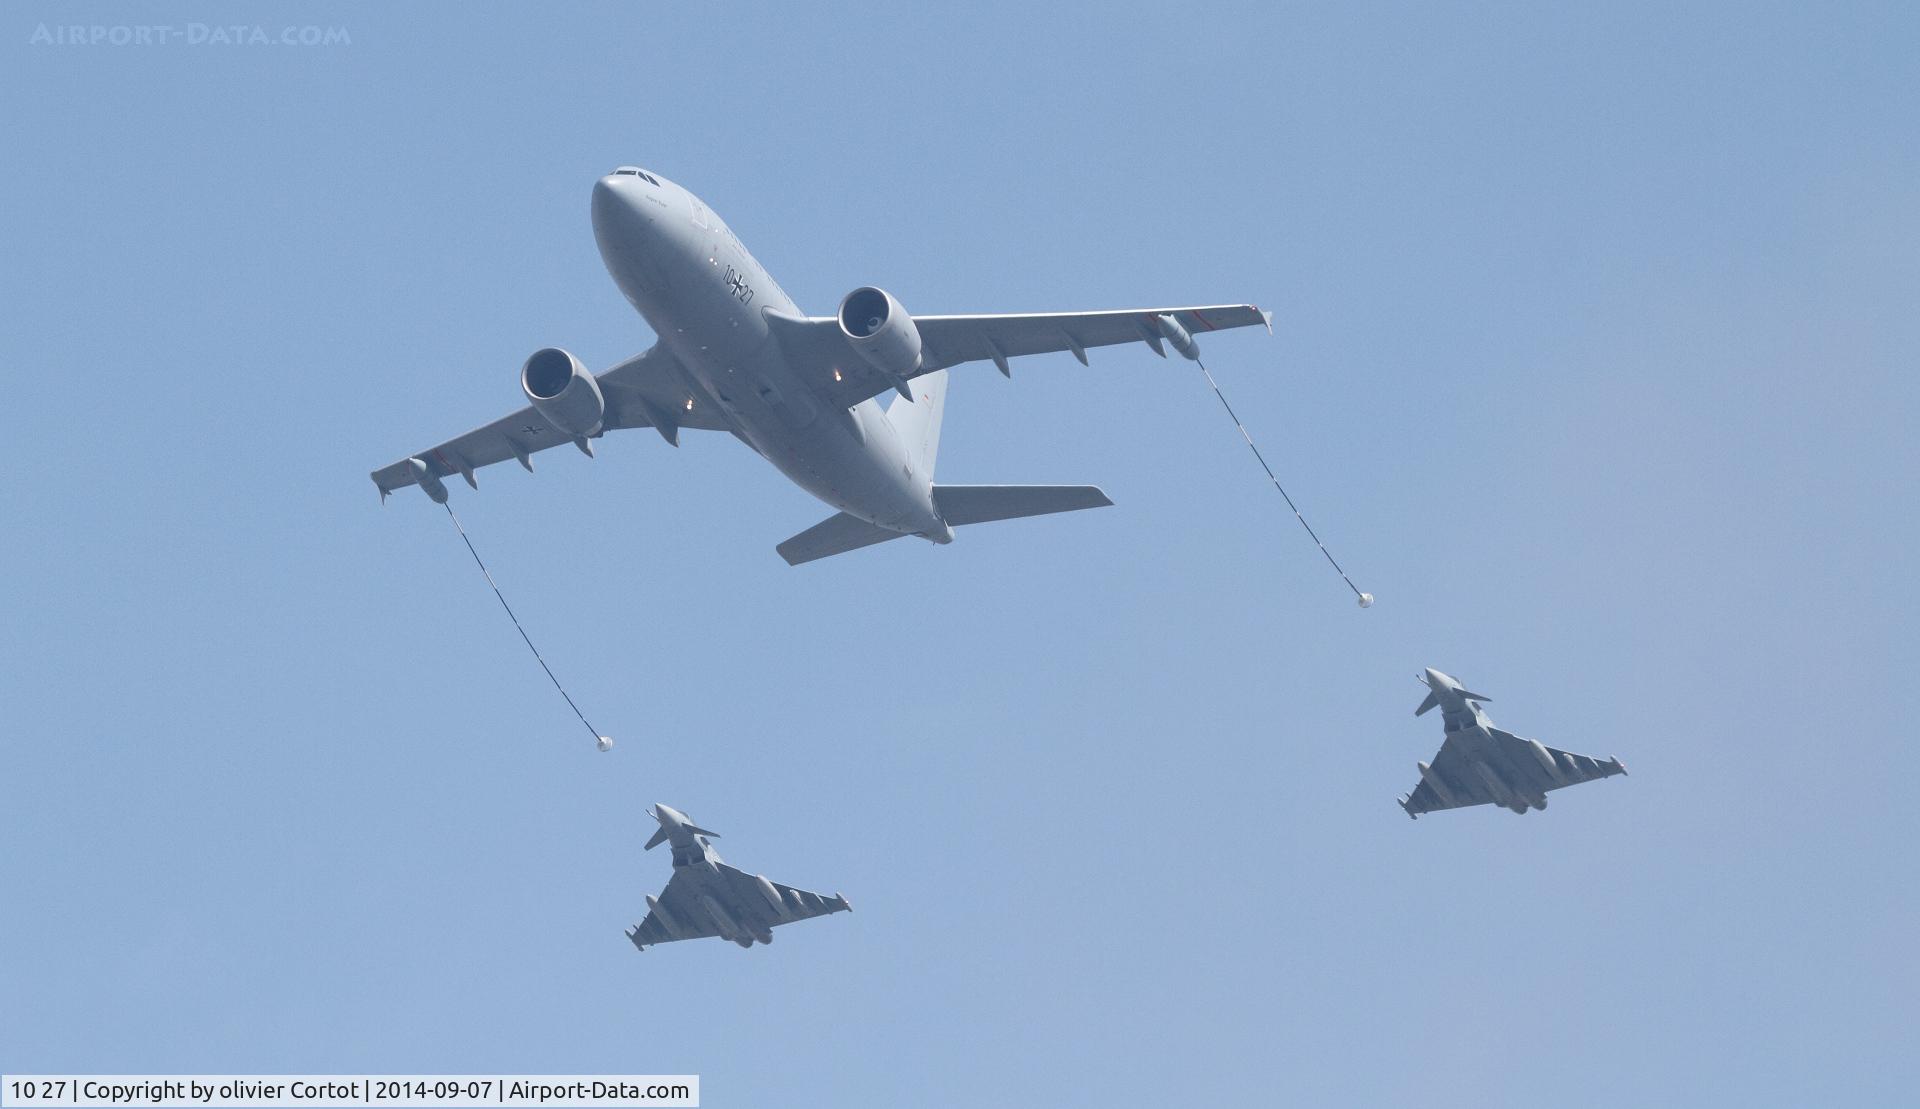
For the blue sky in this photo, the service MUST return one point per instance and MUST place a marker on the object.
(1593, 359)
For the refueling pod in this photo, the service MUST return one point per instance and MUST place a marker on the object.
(1178, 335)
(429, 484)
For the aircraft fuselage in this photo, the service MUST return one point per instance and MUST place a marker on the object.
(707, 298)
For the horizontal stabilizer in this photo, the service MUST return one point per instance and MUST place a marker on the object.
(659, 837)
(837, 534)
(1432, 702)
(978, 504)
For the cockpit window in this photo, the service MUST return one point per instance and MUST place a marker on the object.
(636, 171)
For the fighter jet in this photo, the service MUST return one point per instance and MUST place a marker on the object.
(1479, 764)
(737, 355)
(706, 897)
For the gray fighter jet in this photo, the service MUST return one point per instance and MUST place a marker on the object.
(706, 897)
(1479, 764)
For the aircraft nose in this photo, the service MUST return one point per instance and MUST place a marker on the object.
(1436, 678)
(614, 204)
(628, 227)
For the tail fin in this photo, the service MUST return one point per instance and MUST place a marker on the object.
(979, 504)
(958, 504)
(837, 534)
(918, 421)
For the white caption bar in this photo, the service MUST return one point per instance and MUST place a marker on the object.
(394, 1091)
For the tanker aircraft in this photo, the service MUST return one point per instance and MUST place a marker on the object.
(735, 354)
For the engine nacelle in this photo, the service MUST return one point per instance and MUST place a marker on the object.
(881, 332)
(563, 392)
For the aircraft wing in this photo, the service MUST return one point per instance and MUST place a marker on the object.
(680, 901)
(1527, 766)
(793, 904)
(1550, 767)
(842, 377)
(1463, 787)
(651, 381)
(1423, 800)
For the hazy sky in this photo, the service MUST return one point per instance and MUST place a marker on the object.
(1594, 359)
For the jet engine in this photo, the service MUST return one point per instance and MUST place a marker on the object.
(881, 331)
(563, 392)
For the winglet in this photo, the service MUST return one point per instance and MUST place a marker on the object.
(1267, 316)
